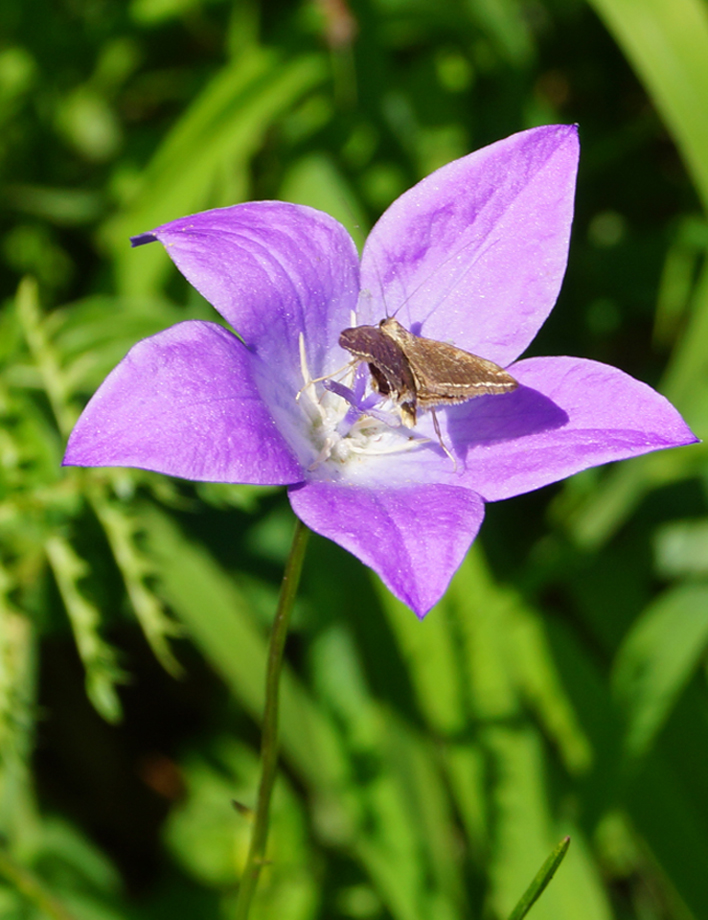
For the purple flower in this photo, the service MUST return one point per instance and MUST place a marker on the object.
(473, 255)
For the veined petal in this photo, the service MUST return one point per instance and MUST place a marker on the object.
(413, 537)
(184, 402)
(475, 253)
(273, 270)
(567, 415)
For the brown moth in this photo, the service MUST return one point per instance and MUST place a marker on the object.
(416, 371)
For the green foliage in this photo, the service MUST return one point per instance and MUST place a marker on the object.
(560, 686)
(541, 880)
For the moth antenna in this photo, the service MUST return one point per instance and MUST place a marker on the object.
(383, 297)
(381, 290)
(453, 255)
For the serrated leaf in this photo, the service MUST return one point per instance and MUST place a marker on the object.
(98, 657)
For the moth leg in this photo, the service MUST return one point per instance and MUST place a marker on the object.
(436, 425)
(408, 413)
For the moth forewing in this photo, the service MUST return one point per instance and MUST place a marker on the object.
(450, 378)
(444, 374)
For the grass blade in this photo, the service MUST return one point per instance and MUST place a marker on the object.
(539, 884)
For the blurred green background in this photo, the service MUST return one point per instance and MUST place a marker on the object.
(560, 687)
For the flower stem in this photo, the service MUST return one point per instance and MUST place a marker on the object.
(269, 737)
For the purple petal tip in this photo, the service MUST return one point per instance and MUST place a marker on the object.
(142, 238)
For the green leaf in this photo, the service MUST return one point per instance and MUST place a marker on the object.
(218, 618)
(218, 134)
(524, 827)
(667, 42)
(430, 654)
(675, 831)
(507, 660)
(542, 687)
(541, 881)
(406, 835)
(121, 531)
(315, 181)
(657, 659)
(681, 548)
(211, 840)
(98, 657)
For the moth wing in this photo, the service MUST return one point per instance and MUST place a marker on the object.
(361, 341)
(445, 374)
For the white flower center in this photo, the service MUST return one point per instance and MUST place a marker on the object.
(343, 434)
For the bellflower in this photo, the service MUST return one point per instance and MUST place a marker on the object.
(473, 255)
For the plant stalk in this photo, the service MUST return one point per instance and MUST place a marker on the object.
(269, 737)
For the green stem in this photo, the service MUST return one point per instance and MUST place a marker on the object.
(543, 877)
(269, 738)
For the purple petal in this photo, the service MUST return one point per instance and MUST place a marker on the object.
(184, 402)
(475, 253)
(413, 537)
(568, 414)
(272, 270)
